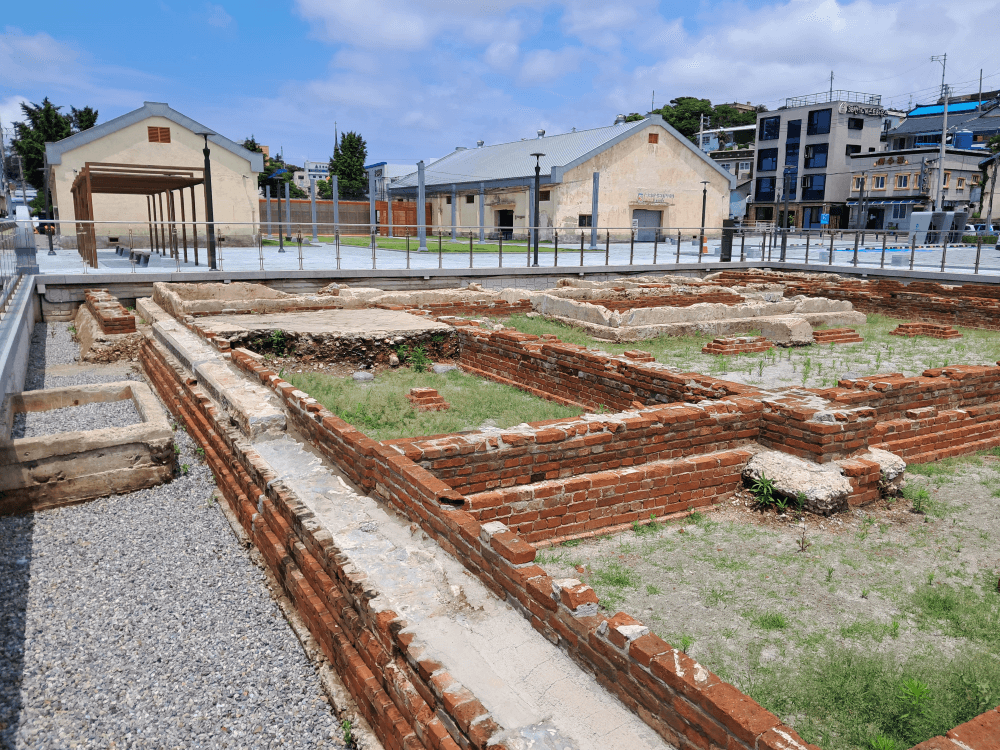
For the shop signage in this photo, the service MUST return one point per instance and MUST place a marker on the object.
(653, 197)
(861, 109)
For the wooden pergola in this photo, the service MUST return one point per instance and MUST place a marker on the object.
(158, 183)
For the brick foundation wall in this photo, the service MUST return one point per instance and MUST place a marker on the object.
(738, 345)
(933, 330)
(567, 448)
(109, 313)
(575, 375)
(681, 700)
(399, 692)
(573, 506)
(674, 300)
(837, 336)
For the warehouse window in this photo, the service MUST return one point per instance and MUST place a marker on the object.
(470, 199)
(654, 137)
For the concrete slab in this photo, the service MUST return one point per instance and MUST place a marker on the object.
(372, 323)
(534, 690)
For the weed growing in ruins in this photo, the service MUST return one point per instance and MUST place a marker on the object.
(764, 491)
(919, 496)
(177, 450)
(770, 621)
(345, 727)
(881, 742)
(829, 575)
(185, 468)
(611, 581)
(686, 643)
(804, 545)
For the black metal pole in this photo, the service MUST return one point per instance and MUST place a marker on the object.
(209, 208)
(704, 202)
(535, 219)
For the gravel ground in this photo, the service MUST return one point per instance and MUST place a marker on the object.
(70, 418)
(138, 621)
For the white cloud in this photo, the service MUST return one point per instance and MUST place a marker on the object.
(218, 17)
(545, 65)
(10, 110)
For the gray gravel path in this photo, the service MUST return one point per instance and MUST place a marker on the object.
(70, 418)
(138, 621)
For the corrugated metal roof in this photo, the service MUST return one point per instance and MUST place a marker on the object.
(974, 121)
(506, 161)
(938, 109)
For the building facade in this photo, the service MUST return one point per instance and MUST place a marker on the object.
(887, 187)
(804, 154)
(649, 176)
(154, 135)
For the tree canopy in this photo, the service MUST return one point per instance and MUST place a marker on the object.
(348, 163)
(45, 123)
(271, 166)
(683, 113)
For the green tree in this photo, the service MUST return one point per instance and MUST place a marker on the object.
(271, 166)
(633, 117)
(83, 119)
(683, 114)
(324, 190)
(348, 163)
(42, 123)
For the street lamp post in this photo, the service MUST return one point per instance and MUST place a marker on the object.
(209, 208)
(704, 203)
(281, 235)
(538, 173)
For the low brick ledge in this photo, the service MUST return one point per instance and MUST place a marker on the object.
(933, 330)
(837, 336)
(738, 345)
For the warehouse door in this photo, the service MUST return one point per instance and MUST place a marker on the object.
(646, 223)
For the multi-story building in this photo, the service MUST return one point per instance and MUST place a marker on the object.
(887, 187)
(311, 170)
(737, 161)
(968, 121)
(804, 152)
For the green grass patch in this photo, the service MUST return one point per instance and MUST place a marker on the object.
(611, 581)
(971, 612)
(770, 621)
(381, 411)
(842, 698)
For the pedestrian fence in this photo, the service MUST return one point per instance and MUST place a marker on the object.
(270, 246)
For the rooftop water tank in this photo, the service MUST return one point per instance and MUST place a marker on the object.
(963, 139)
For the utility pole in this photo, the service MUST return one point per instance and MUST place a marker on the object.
(980, 105)
(538, 172)
(939, 200)
(943, 59)
(831, 85)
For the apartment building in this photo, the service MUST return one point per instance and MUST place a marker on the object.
(804, 153)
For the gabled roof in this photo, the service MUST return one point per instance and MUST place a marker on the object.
(508, 164)
(54, 151)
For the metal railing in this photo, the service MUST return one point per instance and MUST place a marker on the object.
(9, 273)
(184, 246)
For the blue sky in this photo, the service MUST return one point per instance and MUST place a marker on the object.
(418, 78)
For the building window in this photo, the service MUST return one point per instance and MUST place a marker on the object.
(819, 122)
(727, 166)
(794, 131)
(470, 199)
(543, 195)
(447, 200)
(654, 137)
(857, 184)
(791, 154)
(744, 166)
(853, 150)
(813, 187)
(765, 189)
(947, 178)
(158, 135)
(855, 123)
(816, 155)
(789, 185)
(960, 184)
(586, 220)
(767, 160)
(902, 181)
(878, 182)
(899, 211)
(975, 179)
(770, 129)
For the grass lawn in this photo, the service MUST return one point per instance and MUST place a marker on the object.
(884, 631)
(811, 366)
(380, 409)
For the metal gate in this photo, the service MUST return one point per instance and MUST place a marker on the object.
(646, 223)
